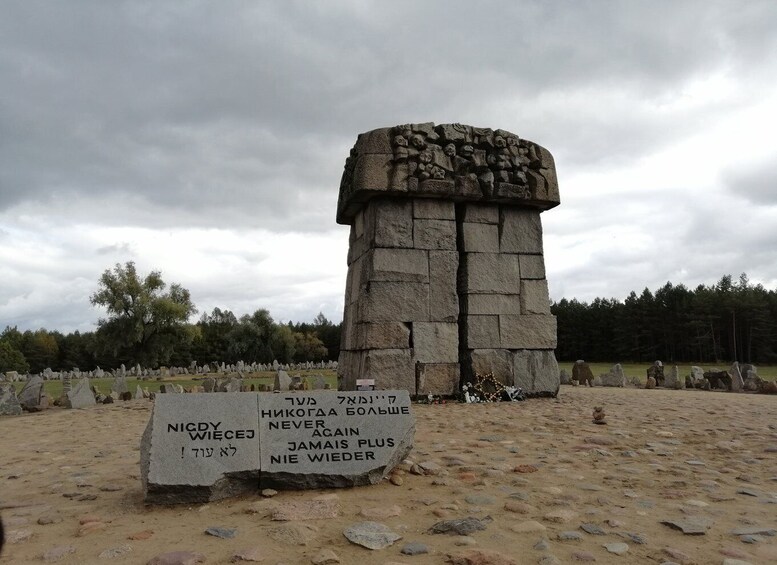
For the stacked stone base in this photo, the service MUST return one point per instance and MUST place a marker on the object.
(438, 291)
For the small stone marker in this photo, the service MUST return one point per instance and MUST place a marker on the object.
(9, 404)
(81, 395)
(119, 384)
(198, 448)
(282, 381)
(29, 396)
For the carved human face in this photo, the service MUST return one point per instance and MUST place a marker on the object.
(467, 151)
(438, 173)
(418, 141)
(450, 150)
(425, 157)
(500, 142)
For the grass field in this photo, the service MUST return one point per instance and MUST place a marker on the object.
(54, 388)
(768, 372)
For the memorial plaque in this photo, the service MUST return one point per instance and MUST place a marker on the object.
(333, 439)
(203, 447)
(200, 447)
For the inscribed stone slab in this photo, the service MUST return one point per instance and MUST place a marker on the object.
(337, 439)
(200, 447)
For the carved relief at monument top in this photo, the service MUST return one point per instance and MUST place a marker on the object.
(450, 161)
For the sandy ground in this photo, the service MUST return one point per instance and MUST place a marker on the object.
(663, 455)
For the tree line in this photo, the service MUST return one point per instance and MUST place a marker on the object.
(723, 322)
(147, 322)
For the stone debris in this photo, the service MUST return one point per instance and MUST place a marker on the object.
(618, 548)
(372, 535)
(177, 558)
(460, 526)
(223, 533)
(253, 554)
(690, 525)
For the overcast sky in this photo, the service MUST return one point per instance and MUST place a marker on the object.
(207, 139)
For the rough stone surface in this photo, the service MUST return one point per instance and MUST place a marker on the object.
(198, 448)
(689, 525)
(81, 395)
(581, 372)
(30, 395)
(614, 377)
(372, 535)
(322, 440)
(536, 371)
(182, 466)
(445, 229)
(9, 404)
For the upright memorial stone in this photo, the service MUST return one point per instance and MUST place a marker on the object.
(30, 395)
(446, 275)
(9, 404)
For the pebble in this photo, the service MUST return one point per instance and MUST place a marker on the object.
(541, 545)
(47, 519)
(570, 536)
(618, 548)
(414, 548)
(677, 555)
(57, 553)
(690, 526)
(592, 529)
(142, 535)
(325, 557)
(527, 526)
(750, 538)
(269, 492)
(114, 552)
(381, 512)
(465, 540)
(639, 539)
(481, 557)
(90, 527)
(18, 536)
(729, 561)
(460, 526)
(223, 533)
(396, 479)
(177, 558)
(251, 554)
(560, 516)
(479, 499)
(372, 535)
(549, 560)
(293, 533)
(583, 556)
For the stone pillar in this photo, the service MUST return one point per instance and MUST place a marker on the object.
(446, 277)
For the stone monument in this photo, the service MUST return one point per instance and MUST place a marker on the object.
(201, 447)
(446, 275)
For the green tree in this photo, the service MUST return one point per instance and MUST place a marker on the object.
(11, 359)
(41, 350)
(145, 323)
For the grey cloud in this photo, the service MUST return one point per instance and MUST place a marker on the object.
(757, 182)
(193, 107)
